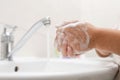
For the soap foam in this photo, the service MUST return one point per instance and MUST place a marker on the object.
(83, 45)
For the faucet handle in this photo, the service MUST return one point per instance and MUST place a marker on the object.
(9, 29)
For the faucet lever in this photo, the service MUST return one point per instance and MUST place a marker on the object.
(9, 27)
(7, 41)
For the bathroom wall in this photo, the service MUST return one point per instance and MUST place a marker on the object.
(103, 13)
(24, 13)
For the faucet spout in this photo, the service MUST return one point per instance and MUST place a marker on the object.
(46, 21)
(43, 22)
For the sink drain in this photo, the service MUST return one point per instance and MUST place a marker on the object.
(16, 69)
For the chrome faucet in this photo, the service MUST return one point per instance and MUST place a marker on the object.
(7, 39)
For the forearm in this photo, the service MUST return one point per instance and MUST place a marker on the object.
(108, 40)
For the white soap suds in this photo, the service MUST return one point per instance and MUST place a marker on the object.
(83, 44)
(73, 24)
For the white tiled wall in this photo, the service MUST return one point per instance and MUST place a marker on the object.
(24, 13)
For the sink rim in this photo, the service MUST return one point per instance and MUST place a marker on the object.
(50, 74)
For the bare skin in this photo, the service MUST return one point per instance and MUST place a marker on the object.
(105, 41)
(108, 40)
(103, 53)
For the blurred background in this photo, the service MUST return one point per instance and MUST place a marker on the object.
(24, 13)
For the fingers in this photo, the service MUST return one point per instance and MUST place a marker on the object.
(69, 39)
(70, 51)
(67, 43)
(64, 48)
(62, 45)
(59, 40)
(67, 51)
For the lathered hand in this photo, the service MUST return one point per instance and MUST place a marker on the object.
(73, 38)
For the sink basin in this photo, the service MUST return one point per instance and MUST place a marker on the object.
(58, 69)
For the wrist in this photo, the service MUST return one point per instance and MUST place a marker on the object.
(93, 37)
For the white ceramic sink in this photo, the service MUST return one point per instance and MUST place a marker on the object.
(58, 69)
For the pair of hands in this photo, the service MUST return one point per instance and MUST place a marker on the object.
(74, 38)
